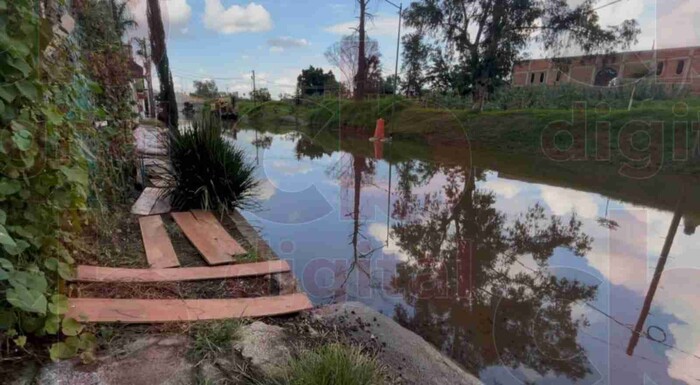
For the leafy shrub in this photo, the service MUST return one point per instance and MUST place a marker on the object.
(207, 171)
(565, 95)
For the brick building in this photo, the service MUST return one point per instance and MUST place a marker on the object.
(667, 66)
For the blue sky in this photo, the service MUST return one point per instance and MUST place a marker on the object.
(225, 40)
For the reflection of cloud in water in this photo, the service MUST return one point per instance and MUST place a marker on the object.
(503, 187)
(378, 231)
(265, 190)
(291, 167)
(562, 201)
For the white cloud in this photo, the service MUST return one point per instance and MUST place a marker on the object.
(251, 18)
(176, 16)
(276, 49)
(283, 42)
(381, 25)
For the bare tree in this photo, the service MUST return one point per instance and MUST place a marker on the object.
(344, 54)
(361, 76)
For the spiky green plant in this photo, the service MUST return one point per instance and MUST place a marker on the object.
(207, 171)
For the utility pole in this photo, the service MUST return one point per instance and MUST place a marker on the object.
(253, 77)
(144, 50)
(396, 64)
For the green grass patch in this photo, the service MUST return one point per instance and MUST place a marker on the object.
(331, 364)
(213, 338)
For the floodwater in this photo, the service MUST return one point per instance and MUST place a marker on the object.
(521, 270)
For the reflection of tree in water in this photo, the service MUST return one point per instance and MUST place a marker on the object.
(264, 142)
(469, 293)
(305, 147)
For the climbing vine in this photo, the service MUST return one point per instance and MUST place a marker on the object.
(50, 150)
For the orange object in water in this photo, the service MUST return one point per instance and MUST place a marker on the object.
(378, 149)
(379, 130)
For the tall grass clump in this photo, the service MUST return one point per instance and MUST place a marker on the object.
(332, 364)
(206, 171)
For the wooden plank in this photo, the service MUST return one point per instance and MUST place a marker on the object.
(173, 310)
(159, 250)
(151, 202)
(208, 236)
(115, 274)
(286, 280)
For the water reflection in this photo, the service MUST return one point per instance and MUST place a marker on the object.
(518, 281)
(465, 284)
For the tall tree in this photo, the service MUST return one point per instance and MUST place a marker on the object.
(344, 54)
(144, 50)
(205, 89)
(159, 55)
(313, 81)
(415, 58)
(488, 36)
(361, 76)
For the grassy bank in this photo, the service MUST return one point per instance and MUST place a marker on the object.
(535, 131)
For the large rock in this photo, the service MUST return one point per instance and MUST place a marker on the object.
(265, 346)
(144, 361)
(409, 358)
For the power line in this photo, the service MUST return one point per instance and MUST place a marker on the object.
(607, 5)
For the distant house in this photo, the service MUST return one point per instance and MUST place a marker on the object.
(667, 66)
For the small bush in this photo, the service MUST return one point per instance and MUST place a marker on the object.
(207, 171)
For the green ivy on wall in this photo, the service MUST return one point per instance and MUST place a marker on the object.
(44, 180)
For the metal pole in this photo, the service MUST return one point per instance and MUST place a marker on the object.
(396, 66)
(253, 88)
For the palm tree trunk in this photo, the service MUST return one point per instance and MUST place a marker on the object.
(159, 55)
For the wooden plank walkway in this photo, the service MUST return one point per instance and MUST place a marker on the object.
(173, 310)
(116, 274)
(207, 235)
(159, 250)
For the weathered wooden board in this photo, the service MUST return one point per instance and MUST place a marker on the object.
(286, 280)
(115, 274)
(210, 238)
(170, 310)
(152, 201)
(159, 250)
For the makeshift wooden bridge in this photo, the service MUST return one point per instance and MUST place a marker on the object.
(216, 246)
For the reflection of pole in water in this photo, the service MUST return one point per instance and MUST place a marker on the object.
(388, 198)
(657, 277)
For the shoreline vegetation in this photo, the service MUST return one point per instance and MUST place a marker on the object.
(659, 138)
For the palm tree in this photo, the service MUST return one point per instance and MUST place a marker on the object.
(121, 17)
(159, 55)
